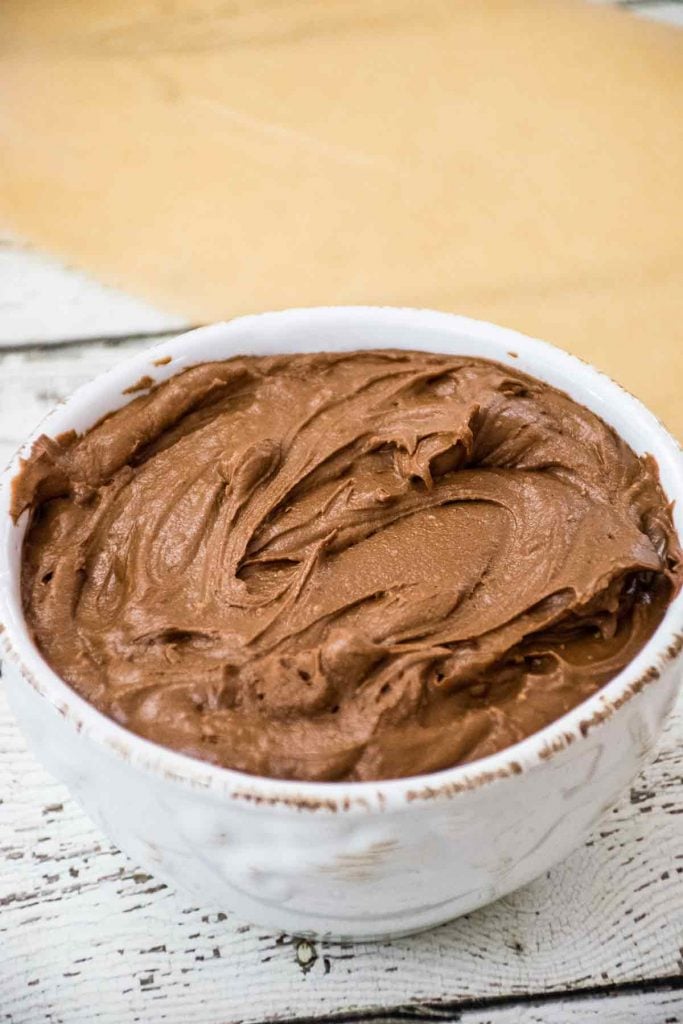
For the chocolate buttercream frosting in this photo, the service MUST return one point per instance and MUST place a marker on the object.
(343, 566)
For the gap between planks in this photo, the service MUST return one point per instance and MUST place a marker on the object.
(605, 1003)
(48, 348)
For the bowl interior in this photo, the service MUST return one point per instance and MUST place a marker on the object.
(337, 329)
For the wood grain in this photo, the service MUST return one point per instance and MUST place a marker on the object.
(630, 1008)
(42, 301)
(33, 381)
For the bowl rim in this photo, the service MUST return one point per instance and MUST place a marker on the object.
(539, 358)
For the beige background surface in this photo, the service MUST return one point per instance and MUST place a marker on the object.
(518, 160)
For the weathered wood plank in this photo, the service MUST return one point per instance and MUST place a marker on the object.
(43, 301)
(626, 1008)
(33, 381)
(670, 13)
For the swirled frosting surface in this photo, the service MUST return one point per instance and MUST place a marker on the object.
(343, 566)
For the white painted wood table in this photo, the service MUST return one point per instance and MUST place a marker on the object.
(87, 937)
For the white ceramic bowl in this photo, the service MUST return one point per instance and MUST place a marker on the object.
(364, 859)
